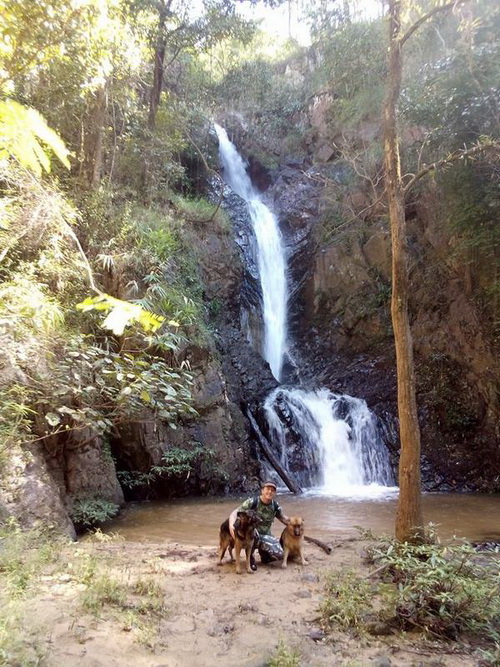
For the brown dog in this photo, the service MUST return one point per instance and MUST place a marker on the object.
(244, 537)
(292, 540)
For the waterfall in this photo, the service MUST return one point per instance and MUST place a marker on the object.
(327, 441)
(271, 259)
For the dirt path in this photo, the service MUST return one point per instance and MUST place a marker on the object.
(178, 609)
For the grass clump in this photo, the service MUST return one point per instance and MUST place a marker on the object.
(347, 599)
(284, 657)
(15, 649)
(198, 209)
(103, 590)
(23, 555)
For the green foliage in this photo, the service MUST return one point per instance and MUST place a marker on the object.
(28, 305)
(445, 591)
(199, 209)
(22, 556)
(456, 95)
(176, 464)
(272, 99)
(347, 599)
(472, 205)
(489, 657)
(97, 387)
(25, 557)
(101, 591)
(151, 249)
(15, 419)
(91, 512)
(284, 657)
(448, 394)
(353, 67)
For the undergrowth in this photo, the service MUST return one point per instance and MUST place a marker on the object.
(24, 557)
(90, 512)
(284, 657)
(448, 592)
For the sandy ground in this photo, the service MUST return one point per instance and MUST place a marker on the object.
(211, 616)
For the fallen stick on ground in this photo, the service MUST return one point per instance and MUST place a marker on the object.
(318, 543)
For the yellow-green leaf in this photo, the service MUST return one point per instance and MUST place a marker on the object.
(26, 137)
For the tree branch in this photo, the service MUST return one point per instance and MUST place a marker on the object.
(454, 157)
(426, 17)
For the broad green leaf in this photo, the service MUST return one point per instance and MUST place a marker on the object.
(145, 396)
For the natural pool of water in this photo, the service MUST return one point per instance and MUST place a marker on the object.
(196, 521)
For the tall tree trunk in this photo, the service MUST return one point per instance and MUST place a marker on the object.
(409, 519)
(94, 140)
(159, 63)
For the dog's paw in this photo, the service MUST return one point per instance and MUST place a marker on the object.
(305, 562)
(283, 566)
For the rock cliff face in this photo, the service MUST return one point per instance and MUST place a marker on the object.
(341, 329)
(339, 257)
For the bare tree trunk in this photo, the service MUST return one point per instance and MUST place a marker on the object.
(409, 519)
(266, 450)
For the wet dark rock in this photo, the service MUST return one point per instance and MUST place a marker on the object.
(259, 174)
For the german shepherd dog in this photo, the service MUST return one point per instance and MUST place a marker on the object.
(244, 537)
(292, 540)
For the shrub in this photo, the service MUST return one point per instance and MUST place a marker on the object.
(89, 512)
(443, 590)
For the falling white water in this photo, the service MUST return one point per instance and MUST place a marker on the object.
(327, 442)
(271, 260)
(332, 439)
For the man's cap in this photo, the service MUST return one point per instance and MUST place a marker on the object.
(270, 483)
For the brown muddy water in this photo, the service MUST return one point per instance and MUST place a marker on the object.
(196, 521)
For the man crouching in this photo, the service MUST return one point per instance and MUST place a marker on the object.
(267, 509)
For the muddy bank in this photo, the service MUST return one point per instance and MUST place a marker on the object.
(165, 603)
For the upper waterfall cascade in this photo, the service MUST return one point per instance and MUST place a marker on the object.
(271, 260)
(329, 442)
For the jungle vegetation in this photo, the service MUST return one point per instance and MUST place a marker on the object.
(105, 109)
